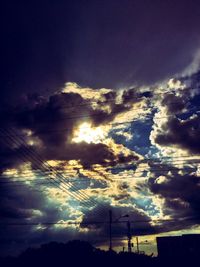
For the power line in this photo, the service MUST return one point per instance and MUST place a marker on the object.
(89, 180)
(147, 117)
(197, 218)
(174, 167)
(147, 160)
(81, 195)
(52, 180)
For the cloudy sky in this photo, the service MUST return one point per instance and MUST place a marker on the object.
(99, 111)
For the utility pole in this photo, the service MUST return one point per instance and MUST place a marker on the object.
(129, 236)
(110, 229)
(138, 251)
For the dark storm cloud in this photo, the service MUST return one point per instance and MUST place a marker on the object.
(177, 189)
(25, 203)
(84, 152)
(11, 152)
(67, 109)
(22, 205)
(121, 40)
(18, 202)
(181, 133)
(181, 194)
(52, 122)
(175, 104)
(179, 126)
(121, 215)
(95, 43)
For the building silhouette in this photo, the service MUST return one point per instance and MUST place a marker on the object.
(178, 246)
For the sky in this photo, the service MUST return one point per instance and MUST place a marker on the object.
(99, 111)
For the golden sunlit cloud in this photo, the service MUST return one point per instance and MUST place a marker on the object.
(87, 133)
(20, 172)
(85, 92)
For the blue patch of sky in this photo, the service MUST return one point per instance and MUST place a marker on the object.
(79, 205)
(79, 184)
(140, 131)
(147, 205)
